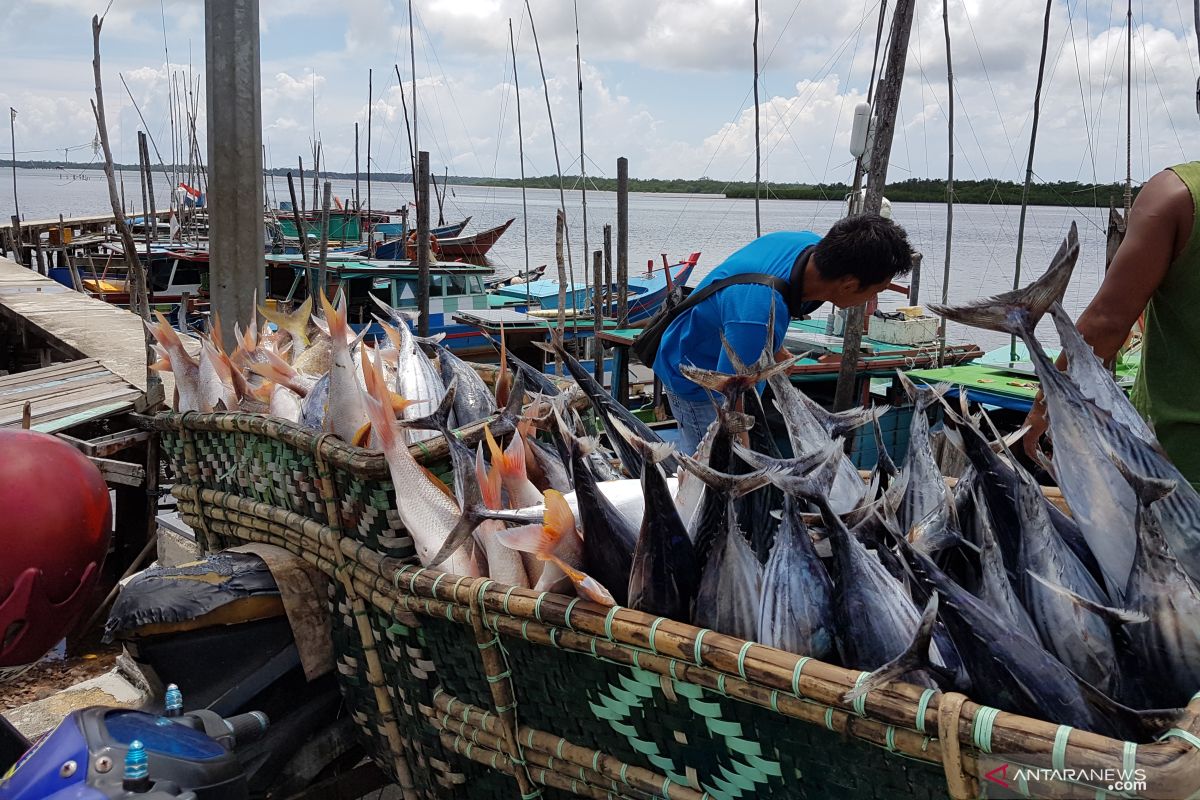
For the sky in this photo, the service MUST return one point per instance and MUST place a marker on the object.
(666, 83)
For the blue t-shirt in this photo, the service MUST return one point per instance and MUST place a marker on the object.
(740, 311)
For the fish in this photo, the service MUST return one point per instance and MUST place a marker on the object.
(295, 323)
(996, 587)
(473, 401)
(925, 491)
(796, 610)
(612, 413)
(1005, 669)
(315, 405)
(416, 378)
(730, 593)
(175, 357)
(216, 382)
(428, 514)
(511, 463)
(555, 547)
(315, 359)
(609, 539)
(1166, 648)
(346, 415)
(664, 577)
(504, 564)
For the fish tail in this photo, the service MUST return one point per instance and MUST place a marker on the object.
(914, 657)
(163, 333)
(558, 520)
(1111, 615)
(728, 384)
(513, 464)
(489, 480)
(378, 402)
(276, 370)
(214, 331)
(585, 585)
(163, 364)
(335, 319)
(295, 322)
(653, 452)
(1018, 312)
(735, 485)
(1147, 488)
(439, 420)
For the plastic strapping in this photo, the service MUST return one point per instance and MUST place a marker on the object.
(666, 787)
(890, 739)
(1129, 757)
(741, 662)
(1180, 733)
(829, 718)
(653, 630)
(796, 674)
(537, 607)
(507, 595)
(922, 707)
(1058, 756)
(699, 639)
(981, 727)
(436, 581)
(567, 613)
(860, 702)
(608, 620)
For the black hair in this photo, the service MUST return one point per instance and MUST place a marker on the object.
(868, 247)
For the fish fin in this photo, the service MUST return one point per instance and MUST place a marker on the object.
(586, 586)
(262, 393)
(729, 385)
(654, 452)
(526, 538)
(163, 364)
(914, 657)
(489, 480)
(334, 318)
(1147, 489)
(513, 464)
(1018, 312)
(378, 402)
(439, 420)
(493, 447)
(734, 359)
(736, 485)
(558, 517)
(276, 370)
(362, 436)
(214, 331)
(885, 463)
(1113, 616)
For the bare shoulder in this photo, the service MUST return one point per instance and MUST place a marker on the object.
(1164, 207)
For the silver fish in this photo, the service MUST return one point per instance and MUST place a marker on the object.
(796, 613)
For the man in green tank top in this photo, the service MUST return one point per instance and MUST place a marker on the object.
(1155, 270)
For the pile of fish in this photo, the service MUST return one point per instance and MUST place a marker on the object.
(978, 584)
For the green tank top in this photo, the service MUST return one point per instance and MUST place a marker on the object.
(1167, 390)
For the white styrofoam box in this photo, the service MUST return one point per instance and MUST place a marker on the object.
(914, 331)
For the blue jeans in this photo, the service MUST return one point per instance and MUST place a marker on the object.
(694, 417)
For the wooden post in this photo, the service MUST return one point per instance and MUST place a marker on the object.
(886, 106)
(560, 230)
(296, 215)
(622, 239)
(145, 156)
(597, 314)
(76, 283)
(18, 242)
(423, 244)
(37, 249)
(324, 252)
(607, 270)
(144, 176)
(303, 206)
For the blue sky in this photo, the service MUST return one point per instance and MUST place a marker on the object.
(666, 84)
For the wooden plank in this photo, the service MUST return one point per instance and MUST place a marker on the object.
(120, 472)
(66, 406)
(105, 383)
(22, 380)
(66, 421)
(105, 446)
(43, 391)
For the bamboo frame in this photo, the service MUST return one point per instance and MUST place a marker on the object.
(803, 689)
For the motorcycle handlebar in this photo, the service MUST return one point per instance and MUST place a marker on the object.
(248, 727)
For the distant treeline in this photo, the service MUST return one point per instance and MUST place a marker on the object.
(913, 190)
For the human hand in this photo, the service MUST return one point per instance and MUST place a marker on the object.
(1037, 423)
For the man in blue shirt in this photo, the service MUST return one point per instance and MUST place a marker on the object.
(852, 263)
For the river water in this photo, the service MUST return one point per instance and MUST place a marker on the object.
(982, 259)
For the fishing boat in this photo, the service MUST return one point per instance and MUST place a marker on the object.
(473, 245)
(172, 271)
(647, 291)
(520, 278)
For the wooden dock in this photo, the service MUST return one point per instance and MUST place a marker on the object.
(65, 325)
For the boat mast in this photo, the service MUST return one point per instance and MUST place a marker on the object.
(370, 105)
(521, 151)
(1037, 107)
(412, 62)
(757, 137)
(562, 195)
(582, 166)
(949, 185)
(1128, 108)
(888, 104)
(412, 154)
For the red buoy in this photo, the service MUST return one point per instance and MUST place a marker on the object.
(55, 525)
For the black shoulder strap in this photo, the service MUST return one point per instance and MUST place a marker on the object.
(697, 297)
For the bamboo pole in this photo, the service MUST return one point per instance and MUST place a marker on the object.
(562, 196)
(560, 230)
(757, 135)
(887, 105)
(412, 59)
(521, 154)
(597, 316)
(145, 152)
(949, 185)
(296, 215)
(1037, 108)
(607, 270)
(324, 245)
(144, 172)
(370, 110)
(137, 275)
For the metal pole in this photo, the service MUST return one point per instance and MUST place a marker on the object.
(412, 57)
(887, 104)
(1037, 107)
(370, 109)
(757, 139)
(949, 187)
(423, 244)
(233, 81)
(12, 133)
(622, 239)
(357, 196)
(521, 152)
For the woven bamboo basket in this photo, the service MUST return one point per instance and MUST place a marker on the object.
(463, 687)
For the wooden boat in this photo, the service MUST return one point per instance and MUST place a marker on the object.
(474, 245)
(519, 279)
(171, 272)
